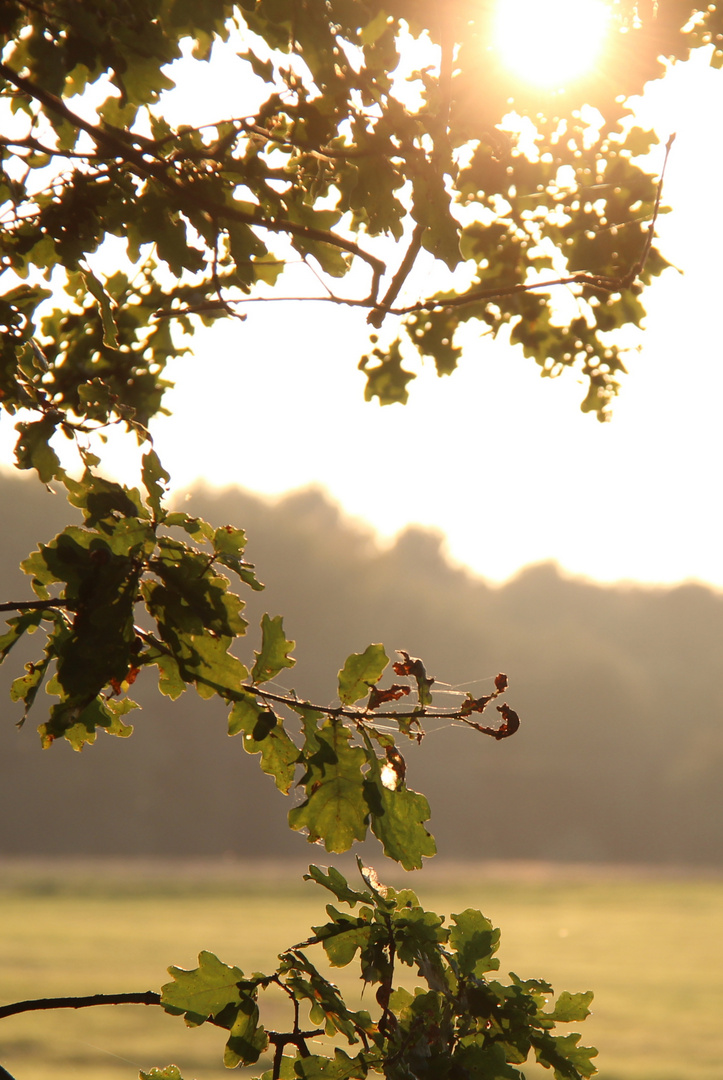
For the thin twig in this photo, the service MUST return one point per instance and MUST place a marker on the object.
(361, 716)
(146, 997)
(376, 317)
(36, 605)
(602, 283)
(639, 266)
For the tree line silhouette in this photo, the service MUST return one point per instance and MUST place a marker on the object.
(618, 757)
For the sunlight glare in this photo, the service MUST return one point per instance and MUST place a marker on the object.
(551, 42)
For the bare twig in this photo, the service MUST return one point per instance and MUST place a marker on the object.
(146, 997)
(36, 605)
(279, 1039)
(376, 317)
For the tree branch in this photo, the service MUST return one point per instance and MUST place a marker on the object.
(279, 1039)
(121, 146)
(600, 282)
(365, 716)
(360, 716)
(36, 605)
(376, 317)
(146, 997)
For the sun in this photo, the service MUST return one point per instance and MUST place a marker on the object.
(551, 43)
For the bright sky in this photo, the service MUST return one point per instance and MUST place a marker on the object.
(500, 460)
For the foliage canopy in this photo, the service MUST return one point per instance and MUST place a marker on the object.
(335, 153)
(340, 156)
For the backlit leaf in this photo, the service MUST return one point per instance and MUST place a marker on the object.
(562, 1054)
(110, 330)
(275, 649)
(263, 732)
(570, 1008)
(334, 810)
(397, 817)
(202, 992)
(247, 1040)
(337, 883)
(33, 449)
(171, 1072)
(360, 672)
(475, 941)
(18, 625)
(387, 379)
(155, 479)
(340, 1067)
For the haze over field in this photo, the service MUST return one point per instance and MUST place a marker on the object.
(618, 757)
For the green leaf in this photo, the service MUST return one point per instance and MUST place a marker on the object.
(387, 380)
(170, 682)
(286, 1070)
(171, 1072)
(432, 333)
(79, 725)
(155, 479)
(397, 817)
(247, 1040)
(562, 1054)
(207, 662)
(361, 671)
(101, 587)
(536, 988)
(195, 527)
(570, 1008)
(97, 400)
(228, 545)
(28, 621)
(418, 935)
(104, 501)
(336, 883)
(344, 936)
(275, 649)
(327, 1005)
(638, 141)
(475, 941)
(33, 449)
(26, 687)
(311, 720)
(202, 992)
(484, 1062)
(95, 288)
(264, 733)
(431, 209)
(215, 991)
(192, 598)
(335, 810)
(340, 1067)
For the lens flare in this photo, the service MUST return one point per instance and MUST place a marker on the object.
(550, 43)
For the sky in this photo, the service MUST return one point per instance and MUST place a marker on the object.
(499, 460)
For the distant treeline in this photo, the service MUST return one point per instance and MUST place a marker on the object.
(620, 693)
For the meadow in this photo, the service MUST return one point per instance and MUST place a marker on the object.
(649, 943)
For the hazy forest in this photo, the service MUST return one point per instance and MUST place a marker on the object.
(618, 690)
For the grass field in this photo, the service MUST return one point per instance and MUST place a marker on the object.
(651, 947)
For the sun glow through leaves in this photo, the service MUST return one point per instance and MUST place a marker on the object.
(551, 42)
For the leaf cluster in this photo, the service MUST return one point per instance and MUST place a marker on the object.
(346, 151)
(140, 588)
(459, 1023)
